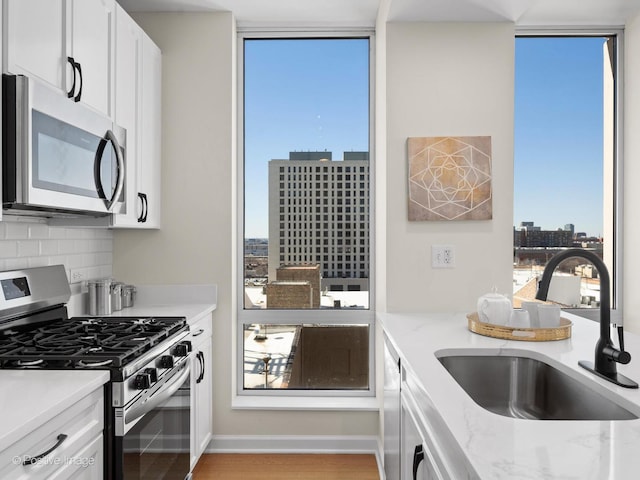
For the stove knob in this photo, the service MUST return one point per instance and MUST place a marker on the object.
(153, 374)
(183, 349)
(142, 381)
(166, 361)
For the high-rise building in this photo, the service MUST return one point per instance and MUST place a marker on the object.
(319, 215)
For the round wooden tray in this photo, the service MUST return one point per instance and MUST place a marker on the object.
(561, 332)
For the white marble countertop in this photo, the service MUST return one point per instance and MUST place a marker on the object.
(29, 398)
(496, 447)
(190, 301)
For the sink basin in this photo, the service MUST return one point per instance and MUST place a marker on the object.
(522, 387)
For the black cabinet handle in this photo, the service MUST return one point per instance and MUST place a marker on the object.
(418, 456)
(31, 460)
(79, 95)
(73, 63)
(142, 197)
(201, 359)
(145, 207)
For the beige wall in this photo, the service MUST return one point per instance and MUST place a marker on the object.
(195, 243)
(448, 80)
(631, 167)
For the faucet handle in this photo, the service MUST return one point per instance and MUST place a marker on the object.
(621, 337)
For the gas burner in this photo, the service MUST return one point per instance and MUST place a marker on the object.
(90, 321)
(142, 321)
(96, 364)
(29, 363)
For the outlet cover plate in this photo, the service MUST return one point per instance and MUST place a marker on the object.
(443, 256)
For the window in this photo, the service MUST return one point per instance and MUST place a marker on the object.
(304, 322)
(565, 187)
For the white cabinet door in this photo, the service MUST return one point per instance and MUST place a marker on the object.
(35, 39)
(92, 32)
(204, 400)
(150, 134)
(128, 67)
(44, 38)
(201, 387)
(391, 413)
(416, 462)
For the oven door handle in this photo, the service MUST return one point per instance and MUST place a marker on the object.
(152, 402)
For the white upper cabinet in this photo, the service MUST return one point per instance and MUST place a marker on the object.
(149, 162)
(137, 108)
(92, 31)
(65, 43)
(127, 108)
(36, 40)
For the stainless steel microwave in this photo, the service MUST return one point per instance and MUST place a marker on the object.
(59, 156)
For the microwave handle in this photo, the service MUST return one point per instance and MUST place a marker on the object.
(109, 137)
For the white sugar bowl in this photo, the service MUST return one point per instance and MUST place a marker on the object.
(494, 308)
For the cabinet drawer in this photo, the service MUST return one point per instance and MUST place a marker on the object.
(87, 464)
(201, 330)
(82, 423)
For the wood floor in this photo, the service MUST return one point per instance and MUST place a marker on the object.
(286, 467)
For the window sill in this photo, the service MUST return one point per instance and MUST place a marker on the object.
(263, 402)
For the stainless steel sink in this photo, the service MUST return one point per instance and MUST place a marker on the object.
(522, 387)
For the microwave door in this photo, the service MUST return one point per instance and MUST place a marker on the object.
(108, 188)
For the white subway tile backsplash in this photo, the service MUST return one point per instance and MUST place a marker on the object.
(28, 243)
(38, 231)
(16, 231)
(28, 248)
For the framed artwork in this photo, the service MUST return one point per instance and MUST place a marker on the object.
(449, 178)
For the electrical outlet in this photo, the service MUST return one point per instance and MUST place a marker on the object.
(443, 256)
(77, 275)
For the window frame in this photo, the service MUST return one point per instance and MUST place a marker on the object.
(341, 398)
(617, 246)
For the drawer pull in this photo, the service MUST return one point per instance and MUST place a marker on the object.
(31, 460)
(199, 332)
(418, 456)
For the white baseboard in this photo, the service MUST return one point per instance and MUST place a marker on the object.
(346, 444)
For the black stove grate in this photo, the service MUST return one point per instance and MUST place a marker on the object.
(86, 342)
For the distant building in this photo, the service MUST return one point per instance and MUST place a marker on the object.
(528, 235)
(283, 294)
(319, 214)
(309, 274)
(257, 247)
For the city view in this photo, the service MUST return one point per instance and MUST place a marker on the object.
(576, 285)
(306, 213)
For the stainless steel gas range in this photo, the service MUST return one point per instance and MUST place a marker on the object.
(147, 414)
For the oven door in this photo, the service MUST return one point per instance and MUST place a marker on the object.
(153, 433)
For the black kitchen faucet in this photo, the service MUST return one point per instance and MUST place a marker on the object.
(606, 355)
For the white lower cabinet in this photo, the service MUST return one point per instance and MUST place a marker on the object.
(67, 446)
(201, 387)
(416, 460)
(392, 411)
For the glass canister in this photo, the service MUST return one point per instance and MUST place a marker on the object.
(128, 295)
(116, 296)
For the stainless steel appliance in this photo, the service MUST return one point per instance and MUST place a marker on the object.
(59, 157)
(147, 417)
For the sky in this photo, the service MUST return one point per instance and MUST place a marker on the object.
(313, 96)
(300, 96)
(558, 133)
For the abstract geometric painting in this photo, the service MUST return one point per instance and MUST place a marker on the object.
(449, 178)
